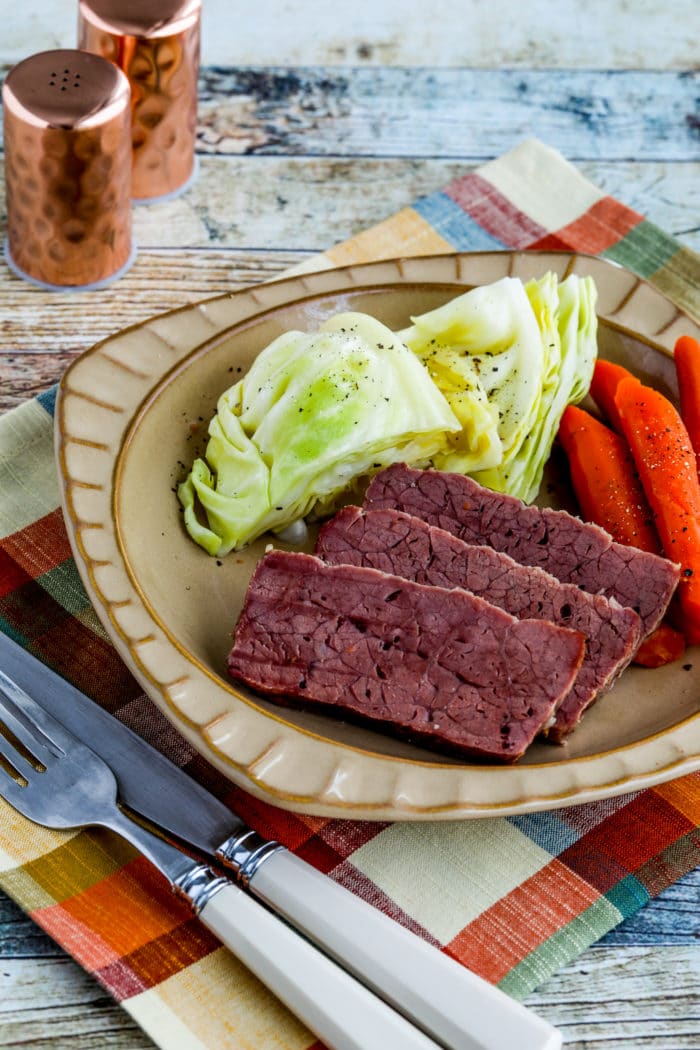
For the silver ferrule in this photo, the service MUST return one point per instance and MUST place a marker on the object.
(245, 851)
(198, 885)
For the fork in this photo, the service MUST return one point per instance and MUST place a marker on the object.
(55, 780)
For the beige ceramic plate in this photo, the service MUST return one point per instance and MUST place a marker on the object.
(132, 411)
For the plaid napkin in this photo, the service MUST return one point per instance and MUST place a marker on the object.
(512, 898)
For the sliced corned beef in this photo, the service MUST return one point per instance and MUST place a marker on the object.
(403, 545)
(570, 549)
(439, 666)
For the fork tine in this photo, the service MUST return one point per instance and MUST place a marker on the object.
(11, 791)
(17, 760)
(34, 741)
(22, 728)
(30, 723)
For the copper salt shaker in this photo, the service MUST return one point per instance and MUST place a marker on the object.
(156, 43)
(66, 123)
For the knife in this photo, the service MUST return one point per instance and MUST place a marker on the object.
(440, 996)
(69, 786)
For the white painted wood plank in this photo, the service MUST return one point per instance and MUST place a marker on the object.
(45, 1002)
(602, 34)
(449, 113)
(47, 329)
(309, 204)
(667, 194)
(250, 218)
(302, 204)
(245, 209)
(672, 918)
(453, 114)
(626, 999)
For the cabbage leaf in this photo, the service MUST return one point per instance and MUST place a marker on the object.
(568, 325)
(477, 386)
(483, 350)
(508, 357)
(314, 412)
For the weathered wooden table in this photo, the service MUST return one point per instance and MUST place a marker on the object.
(316, 121)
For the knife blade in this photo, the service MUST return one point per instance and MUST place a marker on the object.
(153, 777)
(443, 998)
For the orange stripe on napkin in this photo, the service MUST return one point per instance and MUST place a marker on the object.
(159, 960)
(684, 795)
(600, 228)
(405, 233)
(521, 921)
(130, 908)
(41, 546)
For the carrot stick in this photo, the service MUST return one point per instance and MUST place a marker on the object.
(605, 480)
(663, 646)
(609, 492)
(666, 466)
(686, 355)
(606, 376)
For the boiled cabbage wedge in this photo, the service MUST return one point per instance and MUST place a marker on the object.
(509, 357)
(315, 411)
(477, 386)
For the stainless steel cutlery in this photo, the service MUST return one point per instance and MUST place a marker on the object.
(452, 1006)
(56, 781)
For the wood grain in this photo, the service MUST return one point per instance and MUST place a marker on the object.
(312, 127)
(640, 997)
(673, 918)
(41, 332)
(432, 112)
(248, 219)
(605, 34)
(304, 204)
(53, 1003)
(310, 203)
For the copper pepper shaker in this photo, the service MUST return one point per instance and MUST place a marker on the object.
(67, 169)
(156, 44)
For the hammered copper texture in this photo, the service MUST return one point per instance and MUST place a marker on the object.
(162, 71)
(67, 168)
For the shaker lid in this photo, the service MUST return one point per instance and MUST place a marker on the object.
(67, 123)
(65, 89)
(141, 18)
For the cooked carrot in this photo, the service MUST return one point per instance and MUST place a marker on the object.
(609, 493)
(686, 355)
(665, 463)
(605, 480)
(606, 376)
(663, 646)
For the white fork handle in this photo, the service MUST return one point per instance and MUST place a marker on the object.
(339, 1010)
(459, 1009)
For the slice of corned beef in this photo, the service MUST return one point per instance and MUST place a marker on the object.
(570, 549)
(439, 666)
(403, 545)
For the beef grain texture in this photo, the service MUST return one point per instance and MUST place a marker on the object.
(443, 667)
(403, 545)
(570, 549)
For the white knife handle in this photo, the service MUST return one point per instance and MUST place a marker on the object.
(457, 1008)
(338, 1009)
